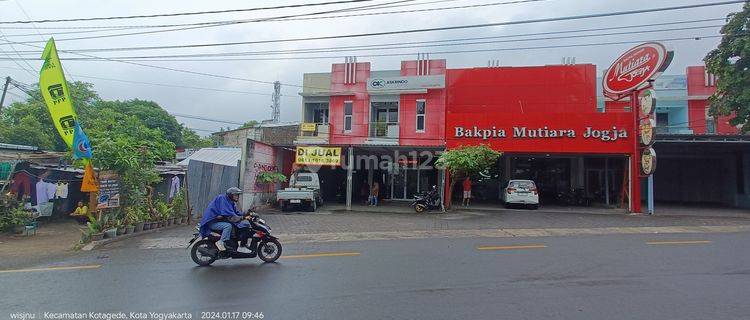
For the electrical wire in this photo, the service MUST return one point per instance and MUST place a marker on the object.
(400, 54)
(409, 31)
(384, 45)
(395, 45)
(297, 17)
(185, 13)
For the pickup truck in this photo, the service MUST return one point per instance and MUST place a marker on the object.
(303, 191)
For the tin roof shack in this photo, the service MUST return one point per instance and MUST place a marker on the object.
(66, 182)
(210, 172)
(173, 181)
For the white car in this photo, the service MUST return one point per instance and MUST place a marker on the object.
(523, 192)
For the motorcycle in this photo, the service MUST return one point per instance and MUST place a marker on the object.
(265, 246)
(426, 201)
(575, 197)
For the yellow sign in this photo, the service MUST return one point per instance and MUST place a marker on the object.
(319, 156)
(56, 93)
(308, 127)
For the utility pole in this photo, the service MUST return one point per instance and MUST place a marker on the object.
(5, 89)
(276, 102)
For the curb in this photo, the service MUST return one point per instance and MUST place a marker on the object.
(96, 244)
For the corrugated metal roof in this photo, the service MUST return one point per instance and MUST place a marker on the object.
(17, 147)
(222, 156)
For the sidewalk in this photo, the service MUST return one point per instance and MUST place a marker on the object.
(52, 239)
(662, 210)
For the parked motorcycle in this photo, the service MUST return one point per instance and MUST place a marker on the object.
(574, 197)
(427, 201)
(265, 246)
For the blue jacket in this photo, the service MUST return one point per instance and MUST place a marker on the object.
(219, 206)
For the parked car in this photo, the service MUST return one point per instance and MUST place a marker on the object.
(303, 191)
(523, 192)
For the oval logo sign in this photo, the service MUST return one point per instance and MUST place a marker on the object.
(377, 83)
(648, 161)
(635, 67)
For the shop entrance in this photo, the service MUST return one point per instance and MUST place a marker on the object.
(561, 180)
(404, 183)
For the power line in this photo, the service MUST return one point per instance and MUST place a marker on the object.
(404, 45)
(400, 54)
(131, 26)
(272, 19)
(224, 24)
(190, 116)
(408, 31)
(184, 13)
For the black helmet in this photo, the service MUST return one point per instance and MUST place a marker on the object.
(234, 190)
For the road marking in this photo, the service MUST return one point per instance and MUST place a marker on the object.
(322, 255)
(678, 242)
(93, 266)
(518, 247)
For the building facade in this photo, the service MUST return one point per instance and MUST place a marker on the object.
(551, 122)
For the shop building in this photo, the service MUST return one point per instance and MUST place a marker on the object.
(390, 125)
(546, 122)
(551, 122)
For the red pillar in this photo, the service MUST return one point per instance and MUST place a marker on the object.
(635, 157)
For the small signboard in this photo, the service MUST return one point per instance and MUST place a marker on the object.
(648, 102)
(647, 131)
(109, 191)
(308, 127)
(648, 161)
(330, 156)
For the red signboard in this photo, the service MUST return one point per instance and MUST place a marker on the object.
(634, 68)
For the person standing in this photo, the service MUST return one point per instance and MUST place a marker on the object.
(374, 193)
(467, 192)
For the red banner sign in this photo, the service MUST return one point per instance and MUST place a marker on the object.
(634, 68)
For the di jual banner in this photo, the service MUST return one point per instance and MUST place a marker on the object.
(318, 156)
(56, 94)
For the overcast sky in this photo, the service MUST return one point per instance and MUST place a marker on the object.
(242, 106)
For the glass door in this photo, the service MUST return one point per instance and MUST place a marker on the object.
(398, 184)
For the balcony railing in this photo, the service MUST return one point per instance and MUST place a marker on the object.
(384, 130)
(313, 132)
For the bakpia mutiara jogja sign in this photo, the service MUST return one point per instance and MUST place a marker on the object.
(608, 134)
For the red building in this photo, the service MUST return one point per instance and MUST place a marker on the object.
(392, 124)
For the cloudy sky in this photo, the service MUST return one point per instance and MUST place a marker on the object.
(244, 100)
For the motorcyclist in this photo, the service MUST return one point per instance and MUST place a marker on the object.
(221, 214)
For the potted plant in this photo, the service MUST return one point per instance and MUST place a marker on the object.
(94, 229)
(179, 206)
(135, 219)
(19, 218)
(120, 226)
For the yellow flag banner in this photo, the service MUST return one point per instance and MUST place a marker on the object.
(56, 94)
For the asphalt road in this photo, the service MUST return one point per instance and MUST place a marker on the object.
(675, 276)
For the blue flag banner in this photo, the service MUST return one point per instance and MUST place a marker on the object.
(81, 144)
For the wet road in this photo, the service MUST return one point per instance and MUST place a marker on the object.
(676, 276)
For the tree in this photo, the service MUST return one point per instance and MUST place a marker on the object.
(192, 140)
(28, 131)
(467, 161)
(84, 99)
(730, 63)
(249, 124)
(150, 114)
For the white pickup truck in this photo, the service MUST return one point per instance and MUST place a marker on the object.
(303, 191)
